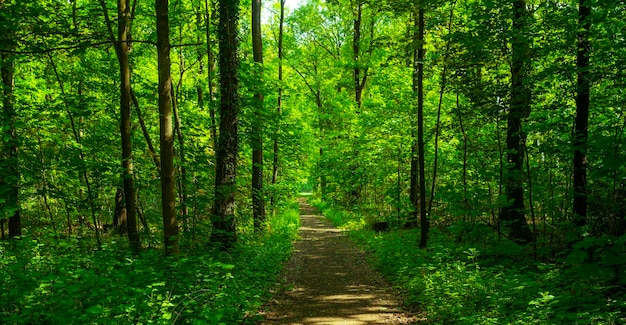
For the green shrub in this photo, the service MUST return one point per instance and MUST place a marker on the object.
(62, 284)
(496, 282)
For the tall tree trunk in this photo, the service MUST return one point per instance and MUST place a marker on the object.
(146, 134)
(228, 144)
(168, 179)
(123, 9)
(581, 122)
(512, 215)
(360, 78)
(442, 90)
(356, 49)
(280, 97)
(9, 164)
(258, 201)
(419, 70)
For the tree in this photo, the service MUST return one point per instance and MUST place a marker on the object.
(122, 48)
(258, 201)
(9, 161)
(581, 121)
(223, 217)
(280, 96)
(359, 80)
(124, 19)
(512, 214)
(168, 180)
(418, 165)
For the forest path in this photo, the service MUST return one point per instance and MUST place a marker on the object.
(329, 281)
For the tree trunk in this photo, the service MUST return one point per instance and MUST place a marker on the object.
(228, 144)
(119, 213)
(512, 215)
(258, 201)
(123, 9)
(442, 90)
(356, 49)
(280, 97)
(168, 180)
(144, 130)
(581, 122)
(9, 167)
(360, 78)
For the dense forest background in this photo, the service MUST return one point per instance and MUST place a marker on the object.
(494, 127)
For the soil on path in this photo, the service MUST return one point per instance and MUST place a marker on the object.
(329, 281)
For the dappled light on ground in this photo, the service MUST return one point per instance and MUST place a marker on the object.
(328, 281)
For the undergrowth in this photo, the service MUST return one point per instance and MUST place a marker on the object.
(496, 282)
(53, 282)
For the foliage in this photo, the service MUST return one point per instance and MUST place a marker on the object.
(55, 281)
(458, 283)
(355, 155)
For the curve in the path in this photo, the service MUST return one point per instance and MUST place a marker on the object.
(328, 281)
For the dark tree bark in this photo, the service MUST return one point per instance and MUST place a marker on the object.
(168, 179)
(9, 163)
(581, 122)
(512, 215)
(258, 201)
(228, 144)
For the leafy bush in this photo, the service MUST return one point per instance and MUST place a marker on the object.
(59, 284)
(456, 283)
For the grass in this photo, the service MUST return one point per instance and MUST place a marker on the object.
(52, 281)
(495, 282)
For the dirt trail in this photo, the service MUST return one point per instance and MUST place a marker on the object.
(328, 281)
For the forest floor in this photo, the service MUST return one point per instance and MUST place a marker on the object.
(329, 281)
